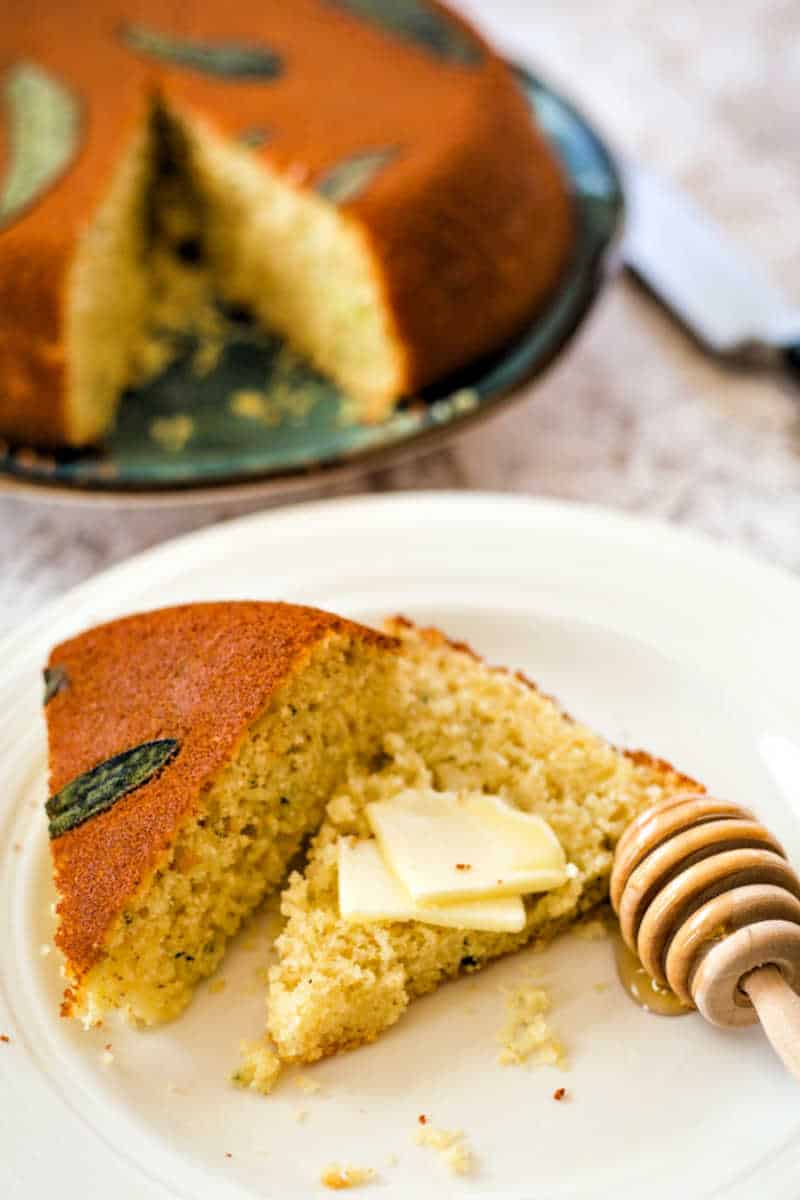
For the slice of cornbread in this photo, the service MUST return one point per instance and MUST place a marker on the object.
(192, 749)
(465, 726)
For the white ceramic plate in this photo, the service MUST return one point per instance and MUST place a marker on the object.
(659, 638)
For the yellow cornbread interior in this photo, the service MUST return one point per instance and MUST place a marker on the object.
(110, 294)
(249, 826)
(465, 726)
(300, 265)
(287, 255)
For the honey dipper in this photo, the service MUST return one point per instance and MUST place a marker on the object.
(707, 900)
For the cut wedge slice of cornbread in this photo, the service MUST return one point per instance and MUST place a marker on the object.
(192, 749)
(465, 726)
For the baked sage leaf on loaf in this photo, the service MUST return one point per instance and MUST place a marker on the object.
(254, 137)
(102, 786)
(232, 60)
(43, 131)
(415, 22)
(352, 175)
(56, 680)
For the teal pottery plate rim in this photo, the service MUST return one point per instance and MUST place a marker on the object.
(252, 444)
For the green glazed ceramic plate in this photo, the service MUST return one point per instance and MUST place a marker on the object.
(262, 417)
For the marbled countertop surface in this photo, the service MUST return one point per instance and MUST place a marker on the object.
(633, 416)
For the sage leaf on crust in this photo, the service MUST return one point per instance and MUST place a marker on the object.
(231, 60)
(352, 175)
(43, 135)
(254, 137)
(414, 21)
(56, 680)
(100, 788)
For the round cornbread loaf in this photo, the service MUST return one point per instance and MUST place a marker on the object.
(448, 219)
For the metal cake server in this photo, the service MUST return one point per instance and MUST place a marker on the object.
(681, 256)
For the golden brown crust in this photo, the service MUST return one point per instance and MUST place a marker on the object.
(199, 673)
(470, 222)
(643, 759)
(469, 254)
(33, 374)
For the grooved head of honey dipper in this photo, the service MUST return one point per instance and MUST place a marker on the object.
(664, 869)
(689, 890)
(717, 984)
(718, 918)
(658, 824)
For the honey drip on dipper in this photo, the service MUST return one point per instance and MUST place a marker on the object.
(642, 988)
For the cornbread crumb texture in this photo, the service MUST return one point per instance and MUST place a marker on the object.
(339, 1178)
(592, 930)
(451, 1146)
(464, 727)
(269, 704)
(259, 1067)
(306, 1084)
(526, 1035)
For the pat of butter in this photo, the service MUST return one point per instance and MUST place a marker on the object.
(448, 846)
(368, 891)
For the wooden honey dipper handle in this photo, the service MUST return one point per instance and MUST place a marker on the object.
(707, 900)
(778, 1008)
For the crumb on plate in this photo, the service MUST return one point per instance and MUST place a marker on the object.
(451, 1146)
(592, 930)
(259, 1067)
(526, 1035)
(339, 1178)
(308, 1085)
